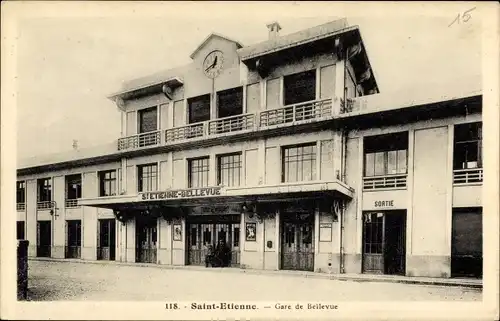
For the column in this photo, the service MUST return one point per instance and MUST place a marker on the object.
(316, 237)
(339, 86)
(130, 226)
(89, 222)
(31, 216)
(59, 219)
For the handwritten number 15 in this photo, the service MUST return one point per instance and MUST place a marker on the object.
(465, 17)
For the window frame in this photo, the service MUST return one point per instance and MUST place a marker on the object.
(398, 143)
(44, 186)
(139, 119)
(152, 177)
(202, 166)
(103, 181)
(67, 182)
(478, 140)
(230, 169)
(313, 161)
(297, 75)
(20, 185)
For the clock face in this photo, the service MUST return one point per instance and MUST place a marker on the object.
(212, 65)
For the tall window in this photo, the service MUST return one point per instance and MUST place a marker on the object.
(198, 172)
(147, 177)
(230, 102)
(20, 230)
(199, 109)
(20, 192)
(300, 87)
(73, 187)
(229, 169)
(44, 190)
(148, 119)
(468, 146)
(107, 183)
(299, 163)
(386, 154)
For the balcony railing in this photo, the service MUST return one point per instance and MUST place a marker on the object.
(295, 113)
(139, 140)
(21, 206)
(45, 205)
(69, 203)
(185, 132)
(384, 182)
(468, 176)
(231, 124)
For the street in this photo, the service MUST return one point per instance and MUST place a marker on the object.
(51, 281)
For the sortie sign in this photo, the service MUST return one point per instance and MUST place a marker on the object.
(182, 193)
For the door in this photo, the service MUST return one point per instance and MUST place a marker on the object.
(467, 243)
(146, 237)
(297, 249)
(106, 240)
(44, 238)
(74, 239)
(373, 243)
(395, 243)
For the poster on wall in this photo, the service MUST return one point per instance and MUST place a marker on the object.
(251, 231)
(325, 232)
(177, 232)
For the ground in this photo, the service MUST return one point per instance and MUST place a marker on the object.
(110, 282)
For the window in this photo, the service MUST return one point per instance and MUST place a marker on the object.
(229, 169)
(73, 187)
(230, 102)
(74, 232)
(198, 172)
(148, 120)
(20, 192)
(300, 87)
(44, 190)
(199, 109)
(386, 154)
(20, 230)
(107, 183)
(468, 146)
(147, 177)
(299, 163)
(373, 233)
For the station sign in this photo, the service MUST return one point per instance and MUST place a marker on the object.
(182, 194)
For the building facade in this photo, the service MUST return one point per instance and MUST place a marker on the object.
(286, 150)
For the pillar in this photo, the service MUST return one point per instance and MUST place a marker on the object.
(59, 220)
(31, 216)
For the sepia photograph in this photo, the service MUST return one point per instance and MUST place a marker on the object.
(276, 160)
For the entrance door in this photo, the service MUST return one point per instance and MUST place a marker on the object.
(384, 242)
(106, 241)
(201, 235)
(467, 243)
(44, 238)
(74, 239)
(146, 237)
(297, 244)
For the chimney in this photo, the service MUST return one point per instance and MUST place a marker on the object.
(274, 30)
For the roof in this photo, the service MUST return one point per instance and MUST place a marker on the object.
(300, 37)
(239, 45)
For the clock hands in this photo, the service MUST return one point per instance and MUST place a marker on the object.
(213, 64)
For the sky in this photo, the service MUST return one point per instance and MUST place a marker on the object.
(68, 64)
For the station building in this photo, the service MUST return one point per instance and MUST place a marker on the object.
(285, 149)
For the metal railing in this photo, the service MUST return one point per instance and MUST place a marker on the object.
(231, 124)
(140, 140)
(185, 132)
(71, 203)
(468, 176)
(45, 205)
(21, 206)
(295, 113)
(386, 181)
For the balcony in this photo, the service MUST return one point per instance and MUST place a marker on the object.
(291, 115)
(397, 181)
(20, 207)
(469, 176)
(312, 110)
(71, 203)
(139, 140)
(46, 205)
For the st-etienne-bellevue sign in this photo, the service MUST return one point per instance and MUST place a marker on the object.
(182, 193)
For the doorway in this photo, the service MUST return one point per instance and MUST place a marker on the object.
(146, 238)
(467, 243)
(106, 240)
(209, 230)
(44, 239)
(297, 242)
(384, 242)
(73, 239)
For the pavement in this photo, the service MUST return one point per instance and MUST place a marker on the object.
(51, 280)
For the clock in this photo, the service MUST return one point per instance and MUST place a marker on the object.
(212, 65)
